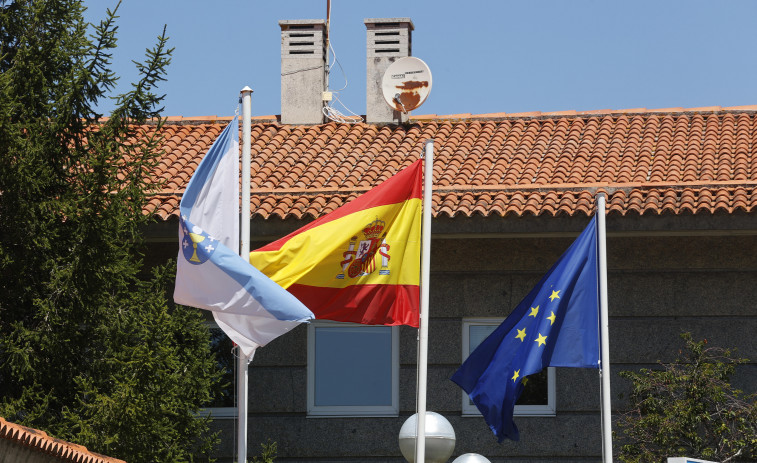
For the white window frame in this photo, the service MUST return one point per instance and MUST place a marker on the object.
(314, 410)
(222, 412)
(469, 409)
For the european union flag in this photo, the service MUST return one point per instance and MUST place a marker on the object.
(556, 325)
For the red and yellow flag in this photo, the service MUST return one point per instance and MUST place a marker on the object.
(361, 262)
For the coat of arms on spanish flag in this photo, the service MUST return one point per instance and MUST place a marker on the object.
(361, 262)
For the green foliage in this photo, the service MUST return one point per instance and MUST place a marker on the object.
(267, 454)
(90, 348)
(689, 408)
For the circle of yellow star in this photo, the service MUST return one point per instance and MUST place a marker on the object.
(554, 295)
(521, 335)
(542, 340)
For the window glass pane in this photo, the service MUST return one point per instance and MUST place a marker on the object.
(478, 333)
(221, 345)
(535, 391)
(353, 366)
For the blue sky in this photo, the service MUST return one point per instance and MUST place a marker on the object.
(485, 56)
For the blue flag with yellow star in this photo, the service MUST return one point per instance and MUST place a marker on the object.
(556, 325)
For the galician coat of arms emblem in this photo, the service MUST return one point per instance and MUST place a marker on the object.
(197, 245)
(360, 257)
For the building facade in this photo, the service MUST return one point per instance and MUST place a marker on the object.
(511, 192)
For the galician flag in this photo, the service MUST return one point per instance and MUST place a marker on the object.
(247, 305)
(361, 262)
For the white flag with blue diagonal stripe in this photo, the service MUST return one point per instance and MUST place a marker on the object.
(247, 305)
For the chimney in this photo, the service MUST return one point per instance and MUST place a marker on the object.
(388, 40)
(303, 70)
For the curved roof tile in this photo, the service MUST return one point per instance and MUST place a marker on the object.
(671, 161)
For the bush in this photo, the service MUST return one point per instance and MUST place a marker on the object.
(689, 408)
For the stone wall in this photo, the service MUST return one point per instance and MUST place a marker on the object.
(660, 285)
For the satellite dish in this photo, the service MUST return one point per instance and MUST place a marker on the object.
(406, 84)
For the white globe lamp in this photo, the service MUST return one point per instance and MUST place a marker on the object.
(471, 458)
(440, 438)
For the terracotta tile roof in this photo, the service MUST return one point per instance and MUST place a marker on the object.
(39, 441)
(663, 161)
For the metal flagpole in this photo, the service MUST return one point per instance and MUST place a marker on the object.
(244, 252)
(605, 330)
(420, 441)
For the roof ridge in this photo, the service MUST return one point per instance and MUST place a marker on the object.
(274, 118)
(587, 113)
(200, 120)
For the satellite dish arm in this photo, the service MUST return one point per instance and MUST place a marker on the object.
(399, 101)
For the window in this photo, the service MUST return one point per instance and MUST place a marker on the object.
(223, 403)
(537, 399)
(353, 370)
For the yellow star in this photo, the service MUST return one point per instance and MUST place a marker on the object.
(534, 311)
(541, 339)
(521, 335)
(515, 376)
(551, 318)
(525, 380)
(554, 295)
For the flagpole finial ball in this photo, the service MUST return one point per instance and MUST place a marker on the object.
(440, 438)
(471, 458)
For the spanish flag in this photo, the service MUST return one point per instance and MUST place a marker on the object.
(361, 262)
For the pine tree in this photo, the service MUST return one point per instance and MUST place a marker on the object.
(91, 351)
